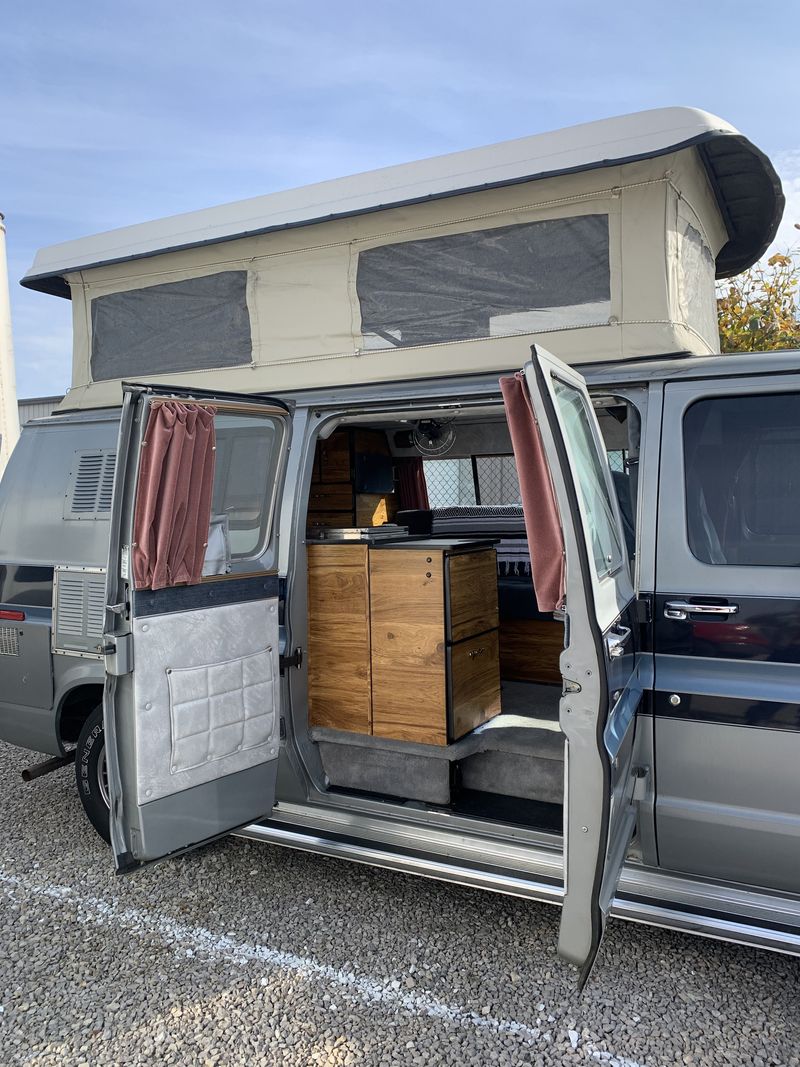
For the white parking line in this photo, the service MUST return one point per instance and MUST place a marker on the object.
(185, 939)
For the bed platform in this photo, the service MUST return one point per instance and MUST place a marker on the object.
(519, 753)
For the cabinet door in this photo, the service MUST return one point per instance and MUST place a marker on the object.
(409, 698)
(339, 670)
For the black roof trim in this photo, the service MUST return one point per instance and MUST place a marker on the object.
(747, 188)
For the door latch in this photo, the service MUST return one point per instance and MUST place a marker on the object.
(616, 641)
(118, 653)
(294, 660)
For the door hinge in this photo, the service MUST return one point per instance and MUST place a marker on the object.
(295, 660)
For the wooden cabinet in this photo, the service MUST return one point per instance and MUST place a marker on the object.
(336, 499)
(339, 670)
(427, 640)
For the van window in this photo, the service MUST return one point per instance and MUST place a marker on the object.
(487, 283)
(589, 466)
(484, 480)
(248, 453)
(194, 324)
(742, 463)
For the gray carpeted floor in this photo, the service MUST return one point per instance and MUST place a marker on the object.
(533, 701)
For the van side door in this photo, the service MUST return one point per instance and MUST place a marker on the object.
(727, 631)
(192, 693)
(603, 671)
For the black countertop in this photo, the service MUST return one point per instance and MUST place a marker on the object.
(437, 544)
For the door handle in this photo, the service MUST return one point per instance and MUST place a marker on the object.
(616, 640)
(682, 609)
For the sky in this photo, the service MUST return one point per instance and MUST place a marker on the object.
(112, 114)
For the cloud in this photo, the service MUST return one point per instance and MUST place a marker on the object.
(787, 164)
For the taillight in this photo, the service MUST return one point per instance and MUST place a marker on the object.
(12, 616)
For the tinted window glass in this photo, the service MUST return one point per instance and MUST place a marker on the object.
(742, 459)
(187, 325)
(590, 471)
(26, 585)
(486, 283)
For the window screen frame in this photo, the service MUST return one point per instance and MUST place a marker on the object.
(473, 459)
(678, 570)
(606, 205)
(137, 370)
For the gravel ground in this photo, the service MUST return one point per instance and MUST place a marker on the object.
(248, 954)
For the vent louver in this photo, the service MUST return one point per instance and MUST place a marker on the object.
(79, 611)
(9, 641)
(91, 484)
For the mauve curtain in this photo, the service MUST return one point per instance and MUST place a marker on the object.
(542, 521)
(413, 489)
(173, 498)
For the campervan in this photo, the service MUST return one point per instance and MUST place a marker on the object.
(414, 518)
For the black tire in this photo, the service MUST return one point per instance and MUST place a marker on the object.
(90, 758)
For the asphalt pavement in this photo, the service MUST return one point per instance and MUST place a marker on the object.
(243, 953)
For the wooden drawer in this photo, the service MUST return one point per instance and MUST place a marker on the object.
(335, 459)
(331, 497)
(473, 683)
(335, 520)
(471, 594)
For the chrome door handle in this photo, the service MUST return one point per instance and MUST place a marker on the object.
(682, 609)
(616, 640)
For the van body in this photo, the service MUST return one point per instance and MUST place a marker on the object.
(531, 628)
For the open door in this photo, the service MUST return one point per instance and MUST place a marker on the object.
(192, 695)
(600, 665)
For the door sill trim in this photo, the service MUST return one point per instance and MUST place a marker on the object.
(647, 908)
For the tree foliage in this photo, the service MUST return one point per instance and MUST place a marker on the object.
(759, 309)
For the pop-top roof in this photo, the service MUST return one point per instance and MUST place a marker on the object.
(744, 181)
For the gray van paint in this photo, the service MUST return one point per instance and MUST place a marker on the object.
(306, 809)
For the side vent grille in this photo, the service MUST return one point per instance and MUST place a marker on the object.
(91, 484)
(9, 641)
(79, 610)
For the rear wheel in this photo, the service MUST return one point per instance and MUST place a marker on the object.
(91, 773)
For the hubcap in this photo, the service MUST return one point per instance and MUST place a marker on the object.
(102, 777)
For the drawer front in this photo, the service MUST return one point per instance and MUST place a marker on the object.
(335, 520)
(473, 683)
(335, 458)
(471, 594)
(331, 497)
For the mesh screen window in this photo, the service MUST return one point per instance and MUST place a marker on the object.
(484, 480)
(486, 283)
(195, 324)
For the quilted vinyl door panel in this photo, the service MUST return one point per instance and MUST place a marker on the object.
(206, 693)
(220, 709)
